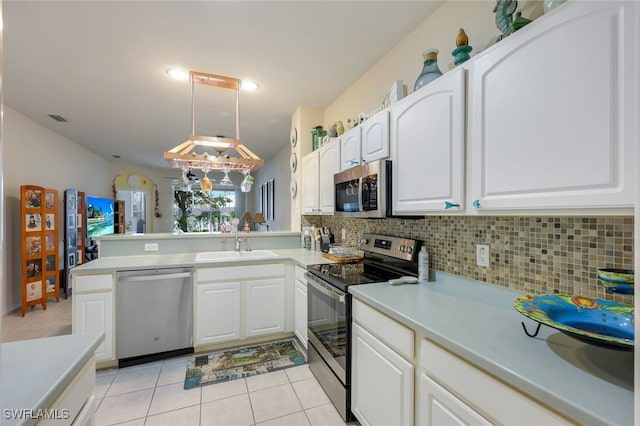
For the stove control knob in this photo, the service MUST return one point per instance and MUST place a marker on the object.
(409, 250)
(403, 249)
(363, 242)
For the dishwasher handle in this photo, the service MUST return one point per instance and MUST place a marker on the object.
(156, 277)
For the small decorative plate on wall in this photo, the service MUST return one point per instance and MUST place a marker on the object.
(294, 136)
(294, 188)
(294, 162)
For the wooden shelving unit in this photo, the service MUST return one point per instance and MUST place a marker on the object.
(39, 232)
(119, 225)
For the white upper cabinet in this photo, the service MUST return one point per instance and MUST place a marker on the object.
(318, 169)
(375, 137)
(553, 113)
(427, 144)
(365, 143)
(350, 146)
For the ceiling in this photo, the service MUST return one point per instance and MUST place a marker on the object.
(102, 65)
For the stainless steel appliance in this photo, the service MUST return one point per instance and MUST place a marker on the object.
(154, 314)
(363, 191)
(329, 308)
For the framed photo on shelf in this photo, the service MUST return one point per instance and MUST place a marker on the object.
(32, 198)
(34, 244)
(72, 244)
(49, 200)
(50, 242)
(71, 202)
(71, 220)
(71, 260)
(34, 268)
(50, 263)
(34, 291)
(50, 221)
(33, 222)
(50, 283)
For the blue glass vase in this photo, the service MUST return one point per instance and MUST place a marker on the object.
(430, 70)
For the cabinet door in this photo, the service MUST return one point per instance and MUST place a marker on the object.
(553, 114)
(350, 155)
(94, 312)
(310, 176)
(217, 312)
(329, 165)
(375, 137)
(310, 179)
(427, 138)
(438, 407)
(382, 382)
(264, 307)
(300, 311)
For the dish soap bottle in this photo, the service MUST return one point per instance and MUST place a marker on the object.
(423, 265)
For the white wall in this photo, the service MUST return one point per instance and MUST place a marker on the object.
(276, 167)
(404, 61)
(35, 155)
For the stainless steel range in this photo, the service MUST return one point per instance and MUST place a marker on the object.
(329, 308)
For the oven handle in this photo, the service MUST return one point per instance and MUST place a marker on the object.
(316, 283)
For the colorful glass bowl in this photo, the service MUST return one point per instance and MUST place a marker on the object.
(616, 280)
(595, 321)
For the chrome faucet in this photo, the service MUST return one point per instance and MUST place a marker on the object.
(238, 241)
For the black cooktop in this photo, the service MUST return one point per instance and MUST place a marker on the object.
(346, 274)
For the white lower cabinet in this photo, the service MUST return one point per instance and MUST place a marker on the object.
(264, 307)
(217, 312)
(230, 304)
(453, 391)
(382, 382)
(438, 407)
(93, 311)
(300, 307)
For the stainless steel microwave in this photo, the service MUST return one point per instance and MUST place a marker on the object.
(363, 191)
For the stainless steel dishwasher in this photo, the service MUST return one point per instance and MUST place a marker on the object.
(154, 314)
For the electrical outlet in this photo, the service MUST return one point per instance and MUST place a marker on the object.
(482, 255)
(151, 247)
(344, 234)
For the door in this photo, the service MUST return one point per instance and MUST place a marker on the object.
(94, 312)
(553, 114)
(375, 137)
(427, 138)
(438, 407)
(310, 179)
(350, 152)
(329, 165)
(217, 316)
(264, 307)
(300, 311)
(381, 382)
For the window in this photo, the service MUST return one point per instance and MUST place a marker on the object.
(200, 211)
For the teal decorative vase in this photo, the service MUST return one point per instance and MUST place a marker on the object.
(461, 54)
(430, 70)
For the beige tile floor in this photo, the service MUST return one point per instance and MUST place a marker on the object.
(153, 394)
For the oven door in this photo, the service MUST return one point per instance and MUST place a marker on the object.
(328, 323)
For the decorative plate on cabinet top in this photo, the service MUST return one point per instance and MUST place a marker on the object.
(294, 136)
(293, 188)
(595, 321)
(294, 161)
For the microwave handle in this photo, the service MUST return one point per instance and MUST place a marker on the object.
(360, 189)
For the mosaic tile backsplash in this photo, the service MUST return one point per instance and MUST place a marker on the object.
(527, 253)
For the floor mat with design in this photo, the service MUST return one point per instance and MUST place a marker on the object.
(243, 362)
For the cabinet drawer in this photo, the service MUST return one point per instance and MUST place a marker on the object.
(388, 330)
(75, 396)
(239, 272)
(82, 283)
(300, 271)
(494, 399)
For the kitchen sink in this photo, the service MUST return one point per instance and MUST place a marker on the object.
(212, 256)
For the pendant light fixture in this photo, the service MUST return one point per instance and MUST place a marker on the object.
(186, 156)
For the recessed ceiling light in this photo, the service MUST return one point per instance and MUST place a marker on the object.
(177, 74)
(249, 85)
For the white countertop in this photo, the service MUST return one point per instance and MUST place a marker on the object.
(478, 322)
(300, 256)
(33, 373)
